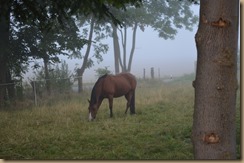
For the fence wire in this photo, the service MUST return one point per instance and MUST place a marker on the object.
(37, 91)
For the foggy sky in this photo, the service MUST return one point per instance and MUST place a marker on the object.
(172, 57)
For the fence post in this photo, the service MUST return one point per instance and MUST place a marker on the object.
(152, 73)
(144, 73)
(159, 73)
(35, 97)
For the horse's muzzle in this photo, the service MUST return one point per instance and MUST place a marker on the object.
(90, 117)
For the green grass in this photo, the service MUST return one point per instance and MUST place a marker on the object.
(161, 129)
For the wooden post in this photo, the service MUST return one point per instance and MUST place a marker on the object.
(144, 73)
(152, 73)
(158, 73)
(34, 89)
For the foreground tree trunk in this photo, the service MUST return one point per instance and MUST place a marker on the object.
(5, 50)
(214, 130)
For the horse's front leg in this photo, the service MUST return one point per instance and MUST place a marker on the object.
(110, 100)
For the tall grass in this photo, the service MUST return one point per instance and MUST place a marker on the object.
(161, 128)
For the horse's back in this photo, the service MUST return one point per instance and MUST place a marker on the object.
(129, 78)
(119, 84)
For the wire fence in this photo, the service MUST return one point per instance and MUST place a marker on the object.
(38, 92)
(41, 90)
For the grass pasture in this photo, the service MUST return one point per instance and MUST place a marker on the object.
(161, 129)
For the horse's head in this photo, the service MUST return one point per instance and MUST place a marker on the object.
(96, 98)
(92, 110)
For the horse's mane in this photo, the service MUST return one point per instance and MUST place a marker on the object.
(93, 93)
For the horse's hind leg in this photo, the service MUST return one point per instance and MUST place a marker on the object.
(110, 100)
(128, 98)
(127, 106)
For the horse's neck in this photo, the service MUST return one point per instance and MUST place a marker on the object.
(97, 91)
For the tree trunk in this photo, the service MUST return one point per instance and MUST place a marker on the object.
(214, 130)
(133, 47)
(80, 80)
(3, 85)
(124, 43)
(4, 46)
(81, 71)
(116, 49)
(124, 66)
(47, 76)
(11, 86)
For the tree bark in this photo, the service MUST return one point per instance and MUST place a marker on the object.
(81, 71)
(133, 47)
(80, 80)
(124, 43)
(4, 46)
(116, 49)
(214, 130)
(124, 66)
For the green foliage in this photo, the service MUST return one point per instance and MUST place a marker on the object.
(163, 16)
(98, 36)
(47, 29)
(102, 71)
(48, 43)
(168, 16)
(60, 77)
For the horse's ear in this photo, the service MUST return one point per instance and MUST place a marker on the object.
(89, 101)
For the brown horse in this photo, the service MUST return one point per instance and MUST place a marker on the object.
(112, 86)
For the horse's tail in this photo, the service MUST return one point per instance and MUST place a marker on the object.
(132, 104)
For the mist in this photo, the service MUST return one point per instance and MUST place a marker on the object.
(168, 57)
